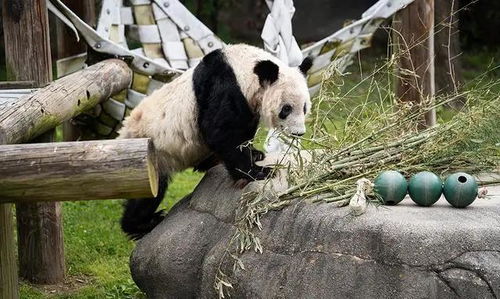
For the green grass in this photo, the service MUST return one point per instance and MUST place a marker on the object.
(97, 252)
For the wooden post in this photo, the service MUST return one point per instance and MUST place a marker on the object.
(414, 40)
(27, 51)
(107, 169)
(9, 285)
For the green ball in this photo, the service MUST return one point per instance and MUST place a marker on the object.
(460, 189)
(391, 186)
(425, 188)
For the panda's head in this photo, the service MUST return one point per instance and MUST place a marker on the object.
(285, 96)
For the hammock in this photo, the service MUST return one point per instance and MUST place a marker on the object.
(163, 39)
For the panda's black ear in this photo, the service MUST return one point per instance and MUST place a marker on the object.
(267, 71)
(306, 65)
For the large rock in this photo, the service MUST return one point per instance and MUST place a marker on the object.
(320, 251)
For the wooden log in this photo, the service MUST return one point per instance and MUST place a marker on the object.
(41, 251)
(414, 41)
(27, 43)
(40, 237)
(69, 96)
(120, 168)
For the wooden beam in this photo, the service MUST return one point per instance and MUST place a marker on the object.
(27, 44)
(119, 168)
(69, 96)
(414, 40)
(41, 249)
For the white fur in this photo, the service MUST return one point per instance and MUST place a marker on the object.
(169, 115)
(291, 88)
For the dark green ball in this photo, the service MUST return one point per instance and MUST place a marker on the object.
(460, 189)
(425, 188)
(391, 186)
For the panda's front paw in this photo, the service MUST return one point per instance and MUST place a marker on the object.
(257, 155)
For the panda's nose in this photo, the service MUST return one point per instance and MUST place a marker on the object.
(298, 134)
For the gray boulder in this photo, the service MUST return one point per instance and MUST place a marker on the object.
(321, 251)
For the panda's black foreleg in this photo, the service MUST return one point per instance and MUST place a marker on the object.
(140, 215)
(240, 162)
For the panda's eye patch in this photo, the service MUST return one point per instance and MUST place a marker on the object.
(285, 111)
(305, 109)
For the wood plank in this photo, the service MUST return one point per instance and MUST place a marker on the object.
(121, 168)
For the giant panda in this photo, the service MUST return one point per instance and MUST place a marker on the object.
(213, 110)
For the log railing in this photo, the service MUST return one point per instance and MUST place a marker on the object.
(32, 115)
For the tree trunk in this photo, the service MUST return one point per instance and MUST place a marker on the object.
(120, 168)
(414, 41)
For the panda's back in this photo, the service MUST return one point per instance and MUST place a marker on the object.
(169, 117)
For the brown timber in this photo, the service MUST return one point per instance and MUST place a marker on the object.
(105, 169)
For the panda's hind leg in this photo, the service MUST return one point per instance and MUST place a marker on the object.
(140, 215)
